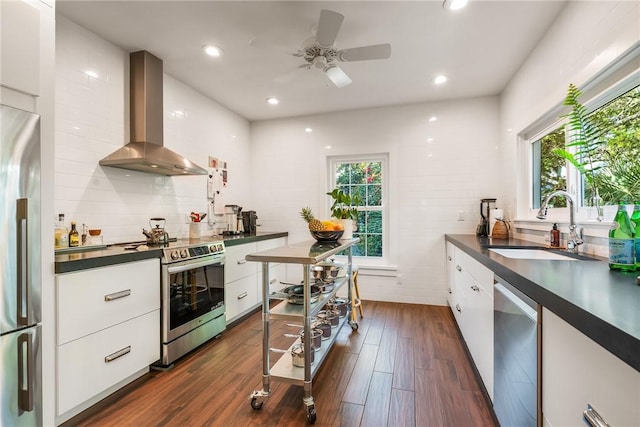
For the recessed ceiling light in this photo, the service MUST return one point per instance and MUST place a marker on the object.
(440, 79)
(433, 118)
(454, 4)
(273, 101)
(211, 50)
(327, 147)
(91, 74)
(308, 130)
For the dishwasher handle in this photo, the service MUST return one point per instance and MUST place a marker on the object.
(593, 418)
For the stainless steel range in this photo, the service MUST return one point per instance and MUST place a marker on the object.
(193, 309)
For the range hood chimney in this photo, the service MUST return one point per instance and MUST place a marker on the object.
(145, 152)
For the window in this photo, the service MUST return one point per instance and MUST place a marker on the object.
(616, 167)
(366, 177)
(549, 169)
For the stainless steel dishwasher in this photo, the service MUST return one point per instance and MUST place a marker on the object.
(516, 346)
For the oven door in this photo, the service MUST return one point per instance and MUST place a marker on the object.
(193, 294)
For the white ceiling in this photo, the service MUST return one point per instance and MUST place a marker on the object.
(479, 48)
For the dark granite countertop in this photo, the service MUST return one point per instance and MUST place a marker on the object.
(601, 303)
(117, 254)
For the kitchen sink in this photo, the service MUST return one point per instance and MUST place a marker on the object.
(538, 253)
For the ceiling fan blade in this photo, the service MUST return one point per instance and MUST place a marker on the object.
(337, 76)
(377, 51)
(328, 28)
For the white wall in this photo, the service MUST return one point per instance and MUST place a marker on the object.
(92, 121)
(582, 41)
(430, 181)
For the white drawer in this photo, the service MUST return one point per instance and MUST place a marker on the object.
(482, 274)
(240, 296)
(95, 299)
(235, 266)
(82, 367)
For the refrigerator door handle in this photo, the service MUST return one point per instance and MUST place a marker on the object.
(25, 372)
(22, 211)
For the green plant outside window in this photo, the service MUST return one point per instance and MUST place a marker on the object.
(364, 179)
(608, 159)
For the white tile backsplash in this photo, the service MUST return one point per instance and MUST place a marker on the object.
(92, 121)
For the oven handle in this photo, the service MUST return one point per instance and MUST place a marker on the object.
(191, 265)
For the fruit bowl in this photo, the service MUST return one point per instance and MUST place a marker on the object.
(327, 236)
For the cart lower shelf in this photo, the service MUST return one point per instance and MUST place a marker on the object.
(285, 370)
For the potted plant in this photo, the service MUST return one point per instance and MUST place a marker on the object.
(588, 142)
(345, 209)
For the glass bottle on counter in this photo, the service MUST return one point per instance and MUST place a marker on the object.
(84, 234)
(61, 234)
(635, 219)
(554, 236)
(621, 242)
(74, 236)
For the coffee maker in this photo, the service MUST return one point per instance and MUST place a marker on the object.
(249, 219)
(234, 220)
(483, 227)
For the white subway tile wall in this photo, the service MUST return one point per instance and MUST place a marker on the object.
(92, 121)
(436, 170)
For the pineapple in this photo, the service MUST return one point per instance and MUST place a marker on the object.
(314, 224)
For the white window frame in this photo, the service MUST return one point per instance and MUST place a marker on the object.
(616, 79)
(383, 158)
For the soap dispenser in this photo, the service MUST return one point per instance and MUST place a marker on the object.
(554, 236)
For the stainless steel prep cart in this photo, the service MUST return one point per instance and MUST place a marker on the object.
(306, 254)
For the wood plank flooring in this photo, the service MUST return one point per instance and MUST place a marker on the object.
(405, 366)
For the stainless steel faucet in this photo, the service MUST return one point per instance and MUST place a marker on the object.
(575, 237)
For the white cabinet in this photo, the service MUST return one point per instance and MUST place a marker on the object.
(451, 274)
(243, 280)
(576, 371)
(471, 299)
(20, 46)
(108, 330)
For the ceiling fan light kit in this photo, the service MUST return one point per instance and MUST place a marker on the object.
(320, 51)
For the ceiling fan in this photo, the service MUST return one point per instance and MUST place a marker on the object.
(320, 52)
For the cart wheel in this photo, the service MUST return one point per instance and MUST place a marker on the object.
(354, 326)
(255, 404)
(311, 414)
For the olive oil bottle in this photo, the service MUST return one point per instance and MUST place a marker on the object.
(74, 236)
(61, 234)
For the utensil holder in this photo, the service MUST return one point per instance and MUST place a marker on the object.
(194, 230)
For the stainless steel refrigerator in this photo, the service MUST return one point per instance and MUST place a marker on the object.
(20, 269)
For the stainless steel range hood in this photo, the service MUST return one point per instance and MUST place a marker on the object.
(145, 152)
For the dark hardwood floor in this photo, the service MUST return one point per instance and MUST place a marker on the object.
(405, 366)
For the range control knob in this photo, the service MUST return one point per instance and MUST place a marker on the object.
(220, 247)
(184, 253)
(175, 255)
(212, 248)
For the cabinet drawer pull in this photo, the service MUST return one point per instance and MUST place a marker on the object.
(458, 308)
(449, 258)
(117, 295)
(475, 288)
(117, 354)
(593, 418)
(458, 268)
(242, 295)
(242, 261)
